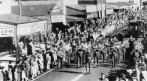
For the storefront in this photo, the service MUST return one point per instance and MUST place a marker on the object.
(7, 31)
(20, 28)
(91, 11)
(109, 9)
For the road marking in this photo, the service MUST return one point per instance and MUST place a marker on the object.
(79, 76)
(42, 74)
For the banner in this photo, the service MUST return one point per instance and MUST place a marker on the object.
(57, 18)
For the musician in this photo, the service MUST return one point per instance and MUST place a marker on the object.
(131, 47)
(123, 49)
(96, 55)
(114, 57)
(60, 56)
(102, 52)
(67, 49)
(79, 57)
(87, 60)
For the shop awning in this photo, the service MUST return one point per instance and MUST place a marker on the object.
(72, 18)
(10, 23)
(109, 7)
(78, 7)
(15, 19)
(119, 5)
(33, 10)
(75, 10)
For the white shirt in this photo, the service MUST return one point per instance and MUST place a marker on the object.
(144, 73)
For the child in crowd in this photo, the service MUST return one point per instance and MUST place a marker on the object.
(103, 77)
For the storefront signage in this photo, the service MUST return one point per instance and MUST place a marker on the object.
(7, 31)
(57, 18)
(71, 2)
(92, 15)
(91, 8)
(25, 30)
(38, 27)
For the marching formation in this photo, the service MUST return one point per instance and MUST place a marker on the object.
(78, 46)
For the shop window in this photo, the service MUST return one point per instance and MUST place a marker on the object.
(6, 44)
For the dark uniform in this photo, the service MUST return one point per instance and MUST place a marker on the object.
(87, 61)
(96, 55)
(114, 57)
(79, 57)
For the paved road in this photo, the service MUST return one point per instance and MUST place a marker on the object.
(64, 74)
(73, 74)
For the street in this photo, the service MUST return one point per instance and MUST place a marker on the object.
(73, 74)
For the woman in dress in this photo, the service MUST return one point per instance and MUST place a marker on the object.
(32, 69)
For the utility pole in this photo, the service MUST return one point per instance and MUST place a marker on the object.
(19, 5)
(96, 3)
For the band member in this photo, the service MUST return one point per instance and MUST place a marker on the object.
(79, 57)
(67, 48)
(60, 57)
(114, 57)
(102, 52)
(96, 55)
(87, 61)
(124, 53)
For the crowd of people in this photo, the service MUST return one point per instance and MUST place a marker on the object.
(76, 44)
